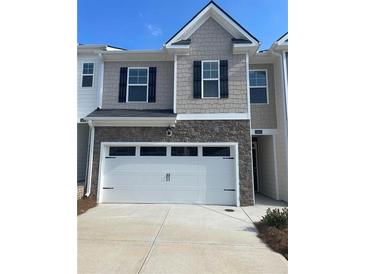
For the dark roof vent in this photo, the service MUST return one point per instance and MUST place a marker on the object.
(240, 41)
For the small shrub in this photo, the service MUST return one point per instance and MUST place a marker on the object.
(276, 218)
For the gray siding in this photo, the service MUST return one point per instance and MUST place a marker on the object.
(82, 146)
(211, 42)
(264, 115)
(164, 85)
(266, 166)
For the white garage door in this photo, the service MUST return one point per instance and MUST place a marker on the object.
(168, 174)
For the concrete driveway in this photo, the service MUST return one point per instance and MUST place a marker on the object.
(159, 238)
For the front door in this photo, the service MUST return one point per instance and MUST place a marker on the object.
(255, 167)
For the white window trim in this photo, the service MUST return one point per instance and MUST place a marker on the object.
(267, 86)
(148, 74)
(87, 74)
(210, 79)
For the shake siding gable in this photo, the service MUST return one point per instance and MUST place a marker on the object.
(211, 42)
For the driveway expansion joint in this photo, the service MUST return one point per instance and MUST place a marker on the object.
(153, 242)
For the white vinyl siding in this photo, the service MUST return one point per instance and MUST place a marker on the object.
(87, 97)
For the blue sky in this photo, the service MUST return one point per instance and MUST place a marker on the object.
(142, 24)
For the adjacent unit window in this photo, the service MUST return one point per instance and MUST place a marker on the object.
(87, 75)
(216, 151)
(137, 84)
(184, 151)
(210, 79)
(122, 151)
(258, 87)
(153, 151)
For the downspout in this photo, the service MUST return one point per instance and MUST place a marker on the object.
(90, 158)
(175, 77)
(101, 80)
(283, 78)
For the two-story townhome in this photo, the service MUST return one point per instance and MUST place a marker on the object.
(202, 120)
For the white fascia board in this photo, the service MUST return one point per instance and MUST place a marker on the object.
(177, 46)
(211, 11)
(159, 55)
(130, 118)
(134, 123)
(213, 116)
(282, 41)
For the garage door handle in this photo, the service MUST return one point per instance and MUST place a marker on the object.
(226, 158)
(108, 157)
(108, 187)
(168, 177)
(228, 189)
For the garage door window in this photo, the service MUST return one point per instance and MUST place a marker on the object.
(216, 151)
(184, 151)
(122, 151)
(153, 151)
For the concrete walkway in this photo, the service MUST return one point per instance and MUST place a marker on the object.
(159, 238)
(262, 203)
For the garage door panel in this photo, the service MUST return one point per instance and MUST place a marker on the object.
(168, 179)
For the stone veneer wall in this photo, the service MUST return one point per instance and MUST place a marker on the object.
(186, 131)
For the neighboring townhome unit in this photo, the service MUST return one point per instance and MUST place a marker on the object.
(268, 86)
(89, 88)
(174, 125)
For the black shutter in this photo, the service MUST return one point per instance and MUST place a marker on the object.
(197, 79)
(223, 68)
(152, 85)
(123, 84)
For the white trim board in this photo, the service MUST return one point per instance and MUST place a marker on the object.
(265, 131)
(213, 116)
(104, 145)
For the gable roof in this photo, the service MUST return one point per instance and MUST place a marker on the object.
(222, 17)
(283, 39)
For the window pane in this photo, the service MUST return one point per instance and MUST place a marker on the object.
(142, 72)
(257, 78)
(184, 151)
(214, 65)
(210, 88)
(258, 95)
(88, 68)
(137, 93)
(210, 70)
(122, 151)
(142, 80)
(133, 80)
(133, 72)
(87, 81)
(216, 151)
(153, 151)
(138, 76)
(214, 74)
(206, 74)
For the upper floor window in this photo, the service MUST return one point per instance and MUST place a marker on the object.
(87, 75)
(137, 85)
(258, 87)
(210, 79)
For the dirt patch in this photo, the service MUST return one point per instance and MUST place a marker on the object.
(84, 204)
(275, 238)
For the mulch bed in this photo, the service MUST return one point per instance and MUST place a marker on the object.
(84, 204)
(275, 238)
